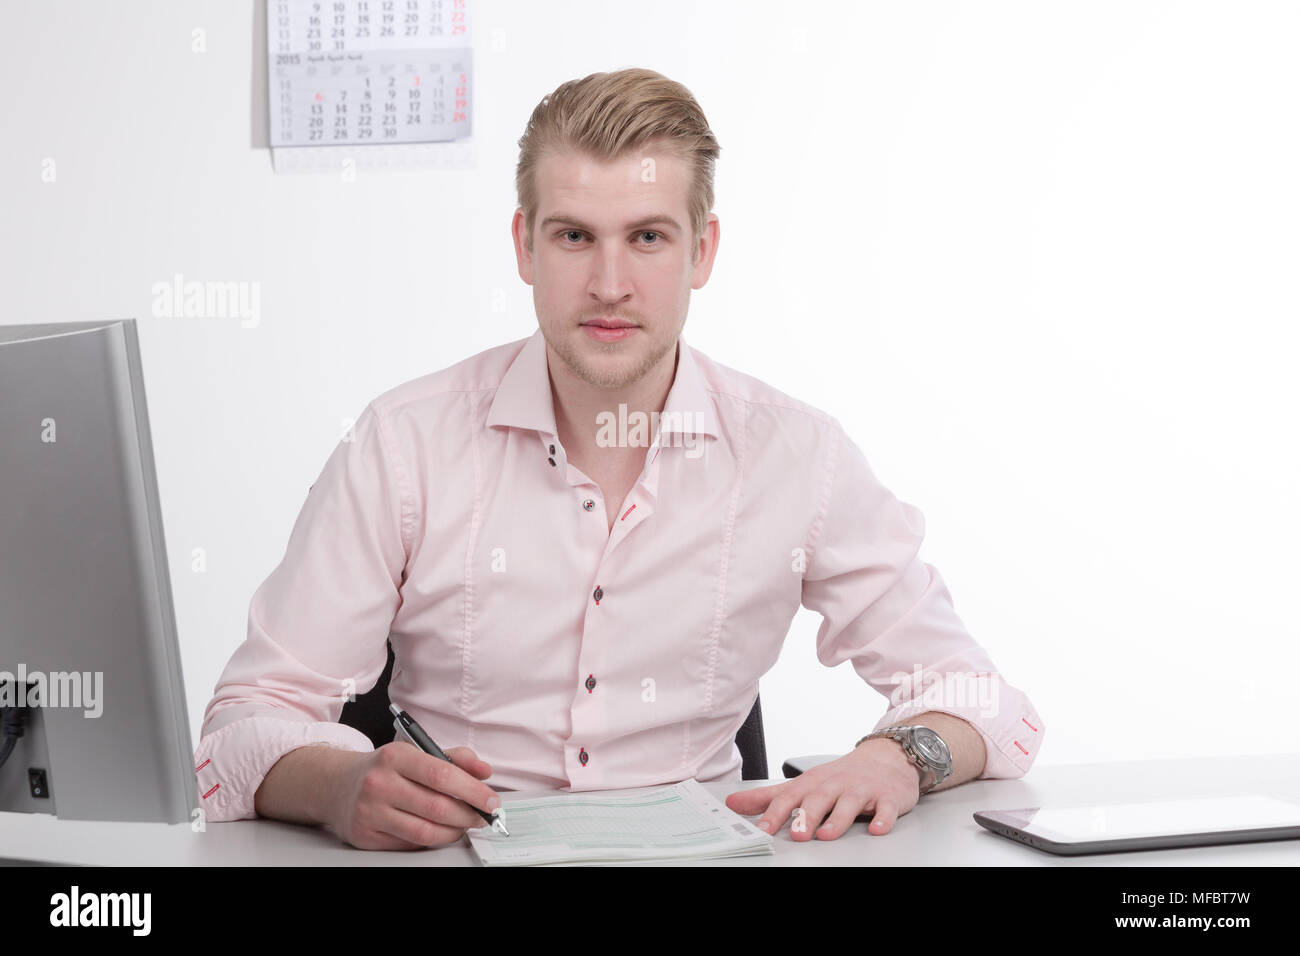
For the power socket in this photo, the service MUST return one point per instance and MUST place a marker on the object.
(37, 783)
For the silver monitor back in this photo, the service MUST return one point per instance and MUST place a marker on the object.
(84, 582)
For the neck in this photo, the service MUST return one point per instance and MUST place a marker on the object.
(577, 403)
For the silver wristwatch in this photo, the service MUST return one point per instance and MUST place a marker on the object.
(925, 748)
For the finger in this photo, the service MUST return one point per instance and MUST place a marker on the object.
(780, 809)
(433, 805)
(812, 809)
(885, 815)
(415, 830)
(369, 839)
(750, 802)
(847, 808)
(449, 778)
(466, 758)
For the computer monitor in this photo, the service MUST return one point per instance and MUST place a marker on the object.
(85, 595)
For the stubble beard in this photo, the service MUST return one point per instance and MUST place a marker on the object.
(600, 375)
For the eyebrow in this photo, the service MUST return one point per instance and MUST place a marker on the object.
(659, 219)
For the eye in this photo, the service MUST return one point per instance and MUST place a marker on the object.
(650, 233)
(571, 232)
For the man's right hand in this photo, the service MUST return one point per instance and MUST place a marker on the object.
(400, 798)
(393, 798)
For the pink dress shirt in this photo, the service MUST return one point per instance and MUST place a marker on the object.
(568, 656)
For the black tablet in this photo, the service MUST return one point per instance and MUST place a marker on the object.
(1149, 825)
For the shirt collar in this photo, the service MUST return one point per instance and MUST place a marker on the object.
(523, 399)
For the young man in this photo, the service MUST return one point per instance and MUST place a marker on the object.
(587, 546)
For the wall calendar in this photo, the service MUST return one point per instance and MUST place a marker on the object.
(368, 72)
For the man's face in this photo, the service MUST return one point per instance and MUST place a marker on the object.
(612, 243)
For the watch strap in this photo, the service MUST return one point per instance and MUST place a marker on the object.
(902, 733)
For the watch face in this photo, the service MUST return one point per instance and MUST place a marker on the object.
(931, 746)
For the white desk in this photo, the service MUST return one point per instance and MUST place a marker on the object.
(939, 830)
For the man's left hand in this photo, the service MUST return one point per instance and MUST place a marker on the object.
(877, 777)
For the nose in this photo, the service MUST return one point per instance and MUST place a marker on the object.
(611, 276)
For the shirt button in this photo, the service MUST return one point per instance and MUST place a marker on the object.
(588, 505)
(591, 683)
(598, 594)
(552, 449)
(552, 461)
(582, 756)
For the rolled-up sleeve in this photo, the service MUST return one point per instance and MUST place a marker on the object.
(317, 626)
(890, 613)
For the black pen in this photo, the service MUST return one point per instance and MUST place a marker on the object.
(405, 725)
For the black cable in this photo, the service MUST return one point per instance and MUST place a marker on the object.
(13, 722)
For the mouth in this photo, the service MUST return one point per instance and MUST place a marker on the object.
(609, 330)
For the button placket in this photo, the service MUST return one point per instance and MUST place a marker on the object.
(639, 504)
(637, 507)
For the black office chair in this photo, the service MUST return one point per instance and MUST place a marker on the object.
(369, 714)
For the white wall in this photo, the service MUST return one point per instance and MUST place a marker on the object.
(1040, 259)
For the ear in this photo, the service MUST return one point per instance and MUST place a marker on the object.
(523, 255)
(705, 250)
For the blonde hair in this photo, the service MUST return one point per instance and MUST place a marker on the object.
(607, 115)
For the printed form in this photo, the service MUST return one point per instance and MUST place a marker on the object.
(679, 822)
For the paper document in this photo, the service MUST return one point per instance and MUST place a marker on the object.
(679, 822)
